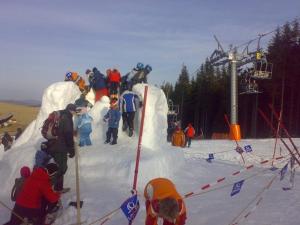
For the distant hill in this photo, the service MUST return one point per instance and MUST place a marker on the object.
(23, 114)
(27, 102)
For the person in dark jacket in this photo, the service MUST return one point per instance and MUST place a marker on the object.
(7, 141)
(129, 102)
(97, 83)
(113, 116)
(63, 146)
(36, 188)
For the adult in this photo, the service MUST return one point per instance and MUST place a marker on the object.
(63, 146)
(113, 82)
(189, 134)
(129, 102)
(178, 137)
(36, 189)
(97, 83)
(163, 201)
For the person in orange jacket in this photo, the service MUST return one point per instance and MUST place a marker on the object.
(113, 80)
(189, 133)
(178, 137)
(163, 201)
(78, 80)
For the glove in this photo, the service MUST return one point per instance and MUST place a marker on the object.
(141, 104)
(71, 155)
(104, 120)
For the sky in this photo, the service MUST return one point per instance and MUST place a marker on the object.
(106, 171)
(41, 40)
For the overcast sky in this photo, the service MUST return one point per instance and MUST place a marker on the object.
(40, 40)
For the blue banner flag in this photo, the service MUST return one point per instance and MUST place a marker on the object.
(131, 207)
(283, 171)
(236, 188)
(248, 148)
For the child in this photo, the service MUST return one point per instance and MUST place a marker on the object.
(42, 157)
(25, 173)
(113, 116)
(84, 127)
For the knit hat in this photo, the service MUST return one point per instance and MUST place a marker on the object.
(51, 168)
(71, 107)
(25, 171)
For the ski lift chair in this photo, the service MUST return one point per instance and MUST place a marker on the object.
(262, 69)
(249, 87)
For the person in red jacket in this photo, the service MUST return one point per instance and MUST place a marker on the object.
(36, 189)
(189, 133)
(163, 201)
(113, 80)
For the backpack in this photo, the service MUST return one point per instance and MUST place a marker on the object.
(50, 126)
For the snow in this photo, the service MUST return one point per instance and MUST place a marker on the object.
(106, 172)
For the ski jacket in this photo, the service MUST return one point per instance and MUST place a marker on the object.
(113, 116)
(178, 138)
(41, 158)
(114, 76)
(97, 80)
(35, 188)
(78, 80)
(159, 189)
(128, 101)
(64, 142)
(189, 131)
(84, 123)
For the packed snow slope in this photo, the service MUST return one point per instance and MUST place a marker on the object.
(106, 172)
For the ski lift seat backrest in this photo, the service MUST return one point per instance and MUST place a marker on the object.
(262, 69)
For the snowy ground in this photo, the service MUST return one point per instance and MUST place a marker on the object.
(106, 172)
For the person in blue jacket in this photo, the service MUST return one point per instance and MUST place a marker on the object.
(84, 127)
(113, 117)
(97, 83)
(129, 101)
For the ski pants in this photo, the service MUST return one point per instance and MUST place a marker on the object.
(188, 141)
(84, 135)
(61, 159)
(113, 88)
(112, 132)
(128, 118)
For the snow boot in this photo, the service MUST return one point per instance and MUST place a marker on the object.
(130, 133)
(113, 143)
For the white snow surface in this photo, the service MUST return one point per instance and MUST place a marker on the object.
(106, 172)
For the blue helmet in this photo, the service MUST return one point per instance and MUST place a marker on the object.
(68, 76)
(148, 68)
(140, 66)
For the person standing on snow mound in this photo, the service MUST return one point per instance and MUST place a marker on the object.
(97, 83)
(189, 134)
(163, 201)
(113, 82)
(63, 146)
(36, 189)
(129, 102)
(113, 116)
